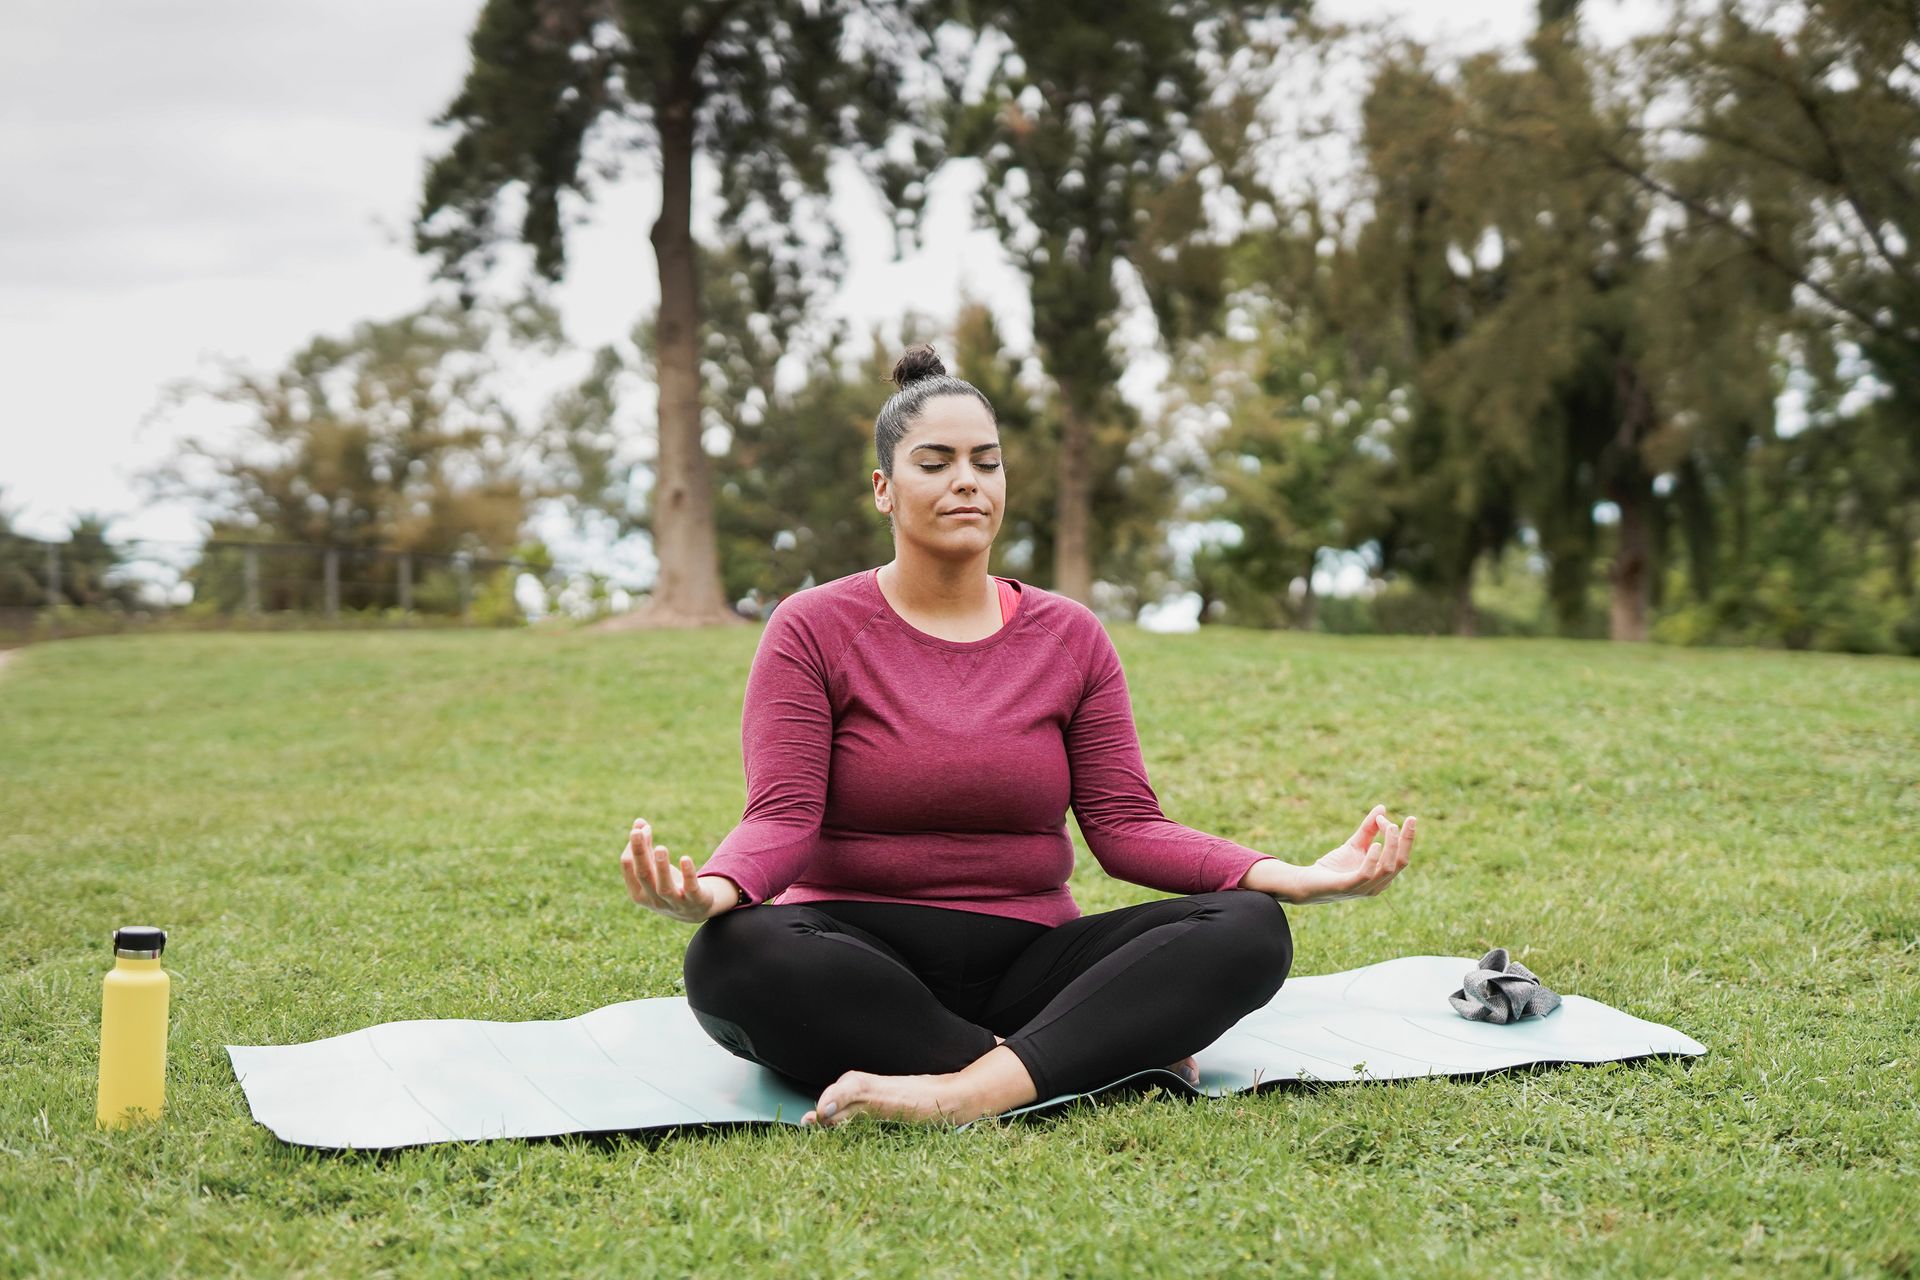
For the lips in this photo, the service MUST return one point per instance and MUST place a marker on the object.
(964, 511)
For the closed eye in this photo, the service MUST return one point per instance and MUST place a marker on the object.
(935, 466)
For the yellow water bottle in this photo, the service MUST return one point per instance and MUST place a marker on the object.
(133, 1029)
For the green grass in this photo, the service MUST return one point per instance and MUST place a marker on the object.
(346, 829)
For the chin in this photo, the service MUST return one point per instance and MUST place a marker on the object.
(967, 543)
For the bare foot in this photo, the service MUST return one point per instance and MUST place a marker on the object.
(988, 1087)
(996, 1081)
(919, 1099)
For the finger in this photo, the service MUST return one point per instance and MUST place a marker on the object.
(1366, 871)
(637, 886)
(1359, 838)
(640, 840)
(1406, 842)
(691, 878)
(1383, 831)
(650, 868)
(1398, 857)
(1388, 850)
(642, 864)
(663, 874)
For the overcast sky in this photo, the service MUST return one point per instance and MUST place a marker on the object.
(188, 179)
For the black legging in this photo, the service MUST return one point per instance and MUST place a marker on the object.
(814, 990)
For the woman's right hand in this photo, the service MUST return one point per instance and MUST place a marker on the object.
(1361, 867)
(656, 884)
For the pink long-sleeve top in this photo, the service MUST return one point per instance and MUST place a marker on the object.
(884, 764)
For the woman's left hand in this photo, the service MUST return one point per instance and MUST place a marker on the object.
(1362, 867)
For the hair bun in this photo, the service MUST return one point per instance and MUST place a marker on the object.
(919, 362)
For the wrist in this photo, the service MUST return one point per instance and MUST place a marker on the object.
(1272, 876)
(725, 894)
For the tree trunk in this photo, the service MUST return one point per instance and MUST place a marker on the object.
(1900, 538)
(1309, 603)
(1631, 489)
(1567, 576)
(1660, 554)
(1463, 623)
(687, 592)
(1696, 515)
(1073, 514)
(1631, 564)
(1737, 493)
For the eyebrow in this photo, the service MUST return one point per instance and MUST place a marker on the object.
(949, 449)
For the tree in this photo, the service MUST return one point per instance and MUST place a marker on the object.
(394, 438)
(1403, 281)
(1090, 114)
(1795, 153)
(1562, 358)
(766, 91)
(89, 572)
(90, 566)
(795, 507)
(1817, 572)
(21, 580)
(1294, 452)
(1517, 288)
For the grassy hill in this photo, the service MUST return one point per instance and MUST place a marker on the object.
(343, 829)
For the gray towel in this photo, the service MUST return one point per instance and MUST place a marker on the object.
(1502, 990)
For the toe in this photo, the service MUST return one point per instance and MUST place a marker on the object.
(835, 1102)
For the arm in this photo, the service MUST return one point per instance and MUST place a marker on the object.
(786, 740)
(1118, 812)
(1133, 840)
(1269, 876)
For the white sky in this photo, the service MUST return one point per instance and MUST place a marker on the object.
(189, 179)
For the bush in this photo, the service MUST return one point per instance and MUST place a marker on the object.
(1401, 609)
(1785, 606)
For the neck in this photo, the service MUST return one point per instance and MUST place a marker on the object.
(936, 585)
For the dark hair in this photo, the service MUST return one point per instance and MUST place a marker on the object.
(921, 377)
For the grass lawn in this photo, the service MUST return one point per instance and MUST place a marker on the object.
(344, 829)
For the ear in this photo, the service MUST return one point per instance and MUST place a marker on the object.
(881, 498)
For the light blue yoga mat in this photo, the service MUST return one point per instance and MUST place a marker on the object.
(646, 1064)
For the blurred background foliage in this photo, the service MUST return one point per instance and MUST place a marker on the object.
(1591, 340)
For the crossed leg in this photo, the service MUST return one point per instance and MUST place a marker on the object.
(923, 1013)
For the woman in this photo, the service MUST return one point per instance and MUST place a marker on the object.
(890, 920)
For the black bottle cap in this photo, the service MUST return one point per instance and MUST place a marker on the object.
(139, 937)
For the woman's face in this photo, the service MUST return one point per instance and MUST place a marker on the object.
(948, 461)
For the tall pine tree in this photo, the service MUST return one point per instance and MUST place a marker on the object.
(766, 92)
